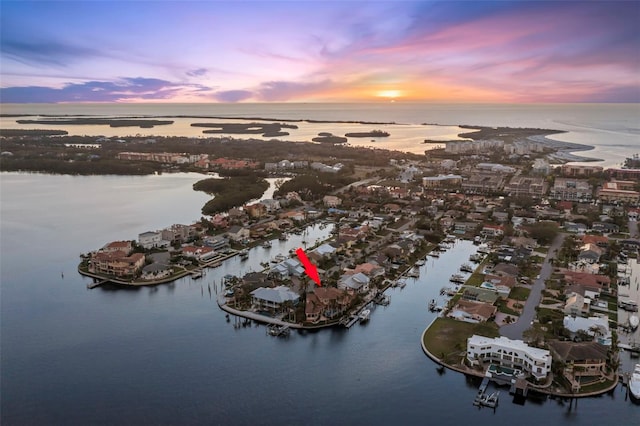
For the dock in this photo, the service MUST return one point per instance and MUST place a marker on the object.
(382, 299)
(350, 321)
(278, 330)
(95, 284)
(484, 400)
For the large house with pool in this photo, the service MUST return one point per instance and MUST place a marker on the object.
(509, 353)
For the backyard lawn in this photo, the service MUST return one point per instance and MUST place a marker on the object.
(447, 338)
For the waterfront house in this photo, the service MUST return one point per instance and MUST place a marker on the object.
(151, 239)
(238, 233)
(509, 353)
(479, 294)
(597, 327)
(273, 299)
(581, 360)
(199, 253)
(471, 311)
(324, 251)
(313, 308)
(288, 268)
(117, 246)
(354, 283)
(326, 303)
(117, 263)
(492, 231)
(463, 227)
(155, 271)
(370, 269)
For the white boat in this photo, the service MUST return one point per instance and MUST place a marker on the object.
(633, 322)
(420, 262)
(466, 267)
(364, 315)
(634, 383)
(279, 258)
(457, 278)
(266, 244)
(483, 249)
(244, 254)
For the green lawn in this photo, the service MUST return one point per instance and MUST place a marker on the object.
(519, 293)
(447, 338)
(502, 307)
(475, 279)
(596, 387)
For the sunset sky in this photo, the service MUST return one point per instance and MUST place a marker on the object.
(320, 51)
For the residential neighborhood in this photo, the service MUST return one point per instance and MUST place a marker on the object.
(578, 220)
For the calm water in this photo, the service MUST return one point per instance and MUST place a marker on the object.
(166, 355)
(612, 129)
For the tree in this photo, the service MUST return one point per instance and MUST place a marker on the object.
(543, 232)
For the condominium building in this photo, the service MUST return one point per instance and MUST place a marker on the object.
(567, 189)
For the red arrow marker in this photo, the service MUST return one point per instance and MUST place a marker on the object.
(309, 267)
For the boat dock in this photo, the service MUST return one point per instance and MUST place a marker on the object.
(350, 321)
(278, 330)
(382, 299)
(484, 400)
(95, 284)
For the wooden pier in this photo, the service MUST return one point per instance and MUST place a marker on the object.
(95, 284)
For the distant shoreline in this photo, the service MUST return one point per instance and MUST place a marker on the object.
(564, 150)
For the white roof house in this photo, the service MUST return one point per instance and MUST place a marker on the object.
(589, 325)
(357, 282)
(509, 353)
(273, 297)
(288, 268)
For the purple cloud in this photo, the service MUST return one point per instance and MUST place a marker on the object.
(199, 72)
(135, 88)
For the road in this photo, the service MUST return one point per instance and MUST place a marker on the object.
(515, 330)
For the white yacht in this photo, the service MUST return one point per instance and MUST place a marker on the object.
(634, 383)
(364, 315)
(633, 322)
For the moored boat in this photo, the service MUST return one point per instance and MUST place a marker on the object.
(633, 322)
(364, 315)
(466, 267)
(457, 278)
(634, 383)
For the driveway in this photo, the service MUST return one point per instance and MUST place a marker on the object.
(514, 331)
